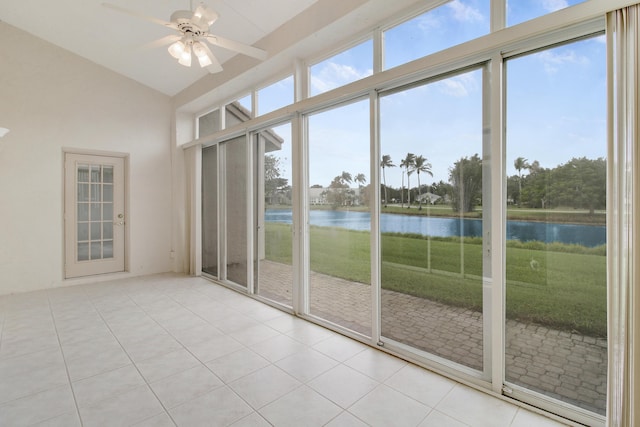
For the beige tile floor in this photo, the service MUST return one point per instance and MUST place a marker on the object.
(173, 350)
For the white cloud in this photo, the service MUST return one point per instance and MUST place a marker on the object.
(334, 75)
(458, 86)
(465, 13)
(553, 5)
(553, 61)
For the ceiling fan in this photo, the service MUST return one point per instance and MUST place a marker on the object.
(192, 27)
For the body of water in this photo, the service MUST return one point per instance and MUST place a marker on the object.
(586, 235)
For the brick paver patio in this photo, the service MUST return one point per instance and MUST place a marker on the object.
(567, 366)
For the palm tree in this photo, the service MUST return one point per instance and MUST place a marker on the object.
(520, 163)
(360, 179)
(346, 178)
(386, 163)
(407, 163)
(420, 164)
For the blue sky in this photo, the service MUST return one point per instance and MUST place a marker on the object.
(556, 99)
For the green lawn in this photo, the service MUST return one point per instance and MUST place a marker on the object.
(546, 284)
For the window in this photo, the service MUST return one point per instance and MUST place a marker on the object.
(346, 67)
(453, 23)
(209, 123)
(523, 10)
(275, 96)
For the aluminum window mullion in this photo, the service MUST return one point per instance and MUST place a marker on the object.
(374, 197)
(497, 241)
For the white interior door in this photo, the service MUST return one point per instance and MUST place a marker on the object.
(94, 215)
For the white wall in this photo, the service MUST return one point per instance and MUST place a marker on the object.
(50, 99)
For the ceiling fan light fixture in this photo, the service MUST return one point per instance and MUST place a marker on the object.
(177, 49)
(185, 57)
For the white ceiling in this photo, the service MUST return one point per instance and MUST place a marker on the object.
(115, 40)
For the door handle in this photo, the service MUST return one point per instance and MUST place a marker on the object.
(118, 223)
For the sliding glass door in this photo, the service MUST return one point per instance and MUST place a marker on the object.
(556, 263)
(274, 215)
(432, 218)
(339, 216)
(225, 221)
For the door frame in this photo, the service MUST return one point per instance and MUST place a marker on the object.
(126, 188)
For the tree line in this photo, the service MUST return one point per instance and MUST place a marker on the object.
(579, 183)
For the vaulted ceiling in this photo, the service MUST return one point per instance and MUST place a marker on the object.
(117, 41)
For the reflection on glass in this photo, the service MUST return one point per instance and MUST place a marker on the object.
(83, 173)
(432, 266)
(340, 276)
(274, 278)
(210, 210)
(236, 210)
(556, 327)
(453, 23)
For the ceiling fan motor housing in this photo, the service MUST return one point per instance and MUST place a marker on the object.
(183, 19)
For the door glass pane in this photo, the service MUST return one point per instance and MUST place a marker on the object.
(83, 231)
(95, 219)
(107, 249)
(274, 278)
(107, 230)
(339, 216)
(83, 173)
(431, 218)
(83, 212)
(107, 211)
(83, 192)
(96, 173)
(96, 228)
(107, 195)
(210, 210)
(96, 209)
(556, 289)
(96, 192)
(83, 251)
(107, 174)
(96, 252)
(236, 209)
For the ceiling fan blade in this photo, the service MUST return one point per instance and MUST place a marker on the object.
(162, 42)
(236, 46)
(140, 15)
(215, 66)
(204, 16)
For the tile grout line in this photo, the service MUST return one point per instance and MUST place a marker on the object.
(66, 367)
(166, 411)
